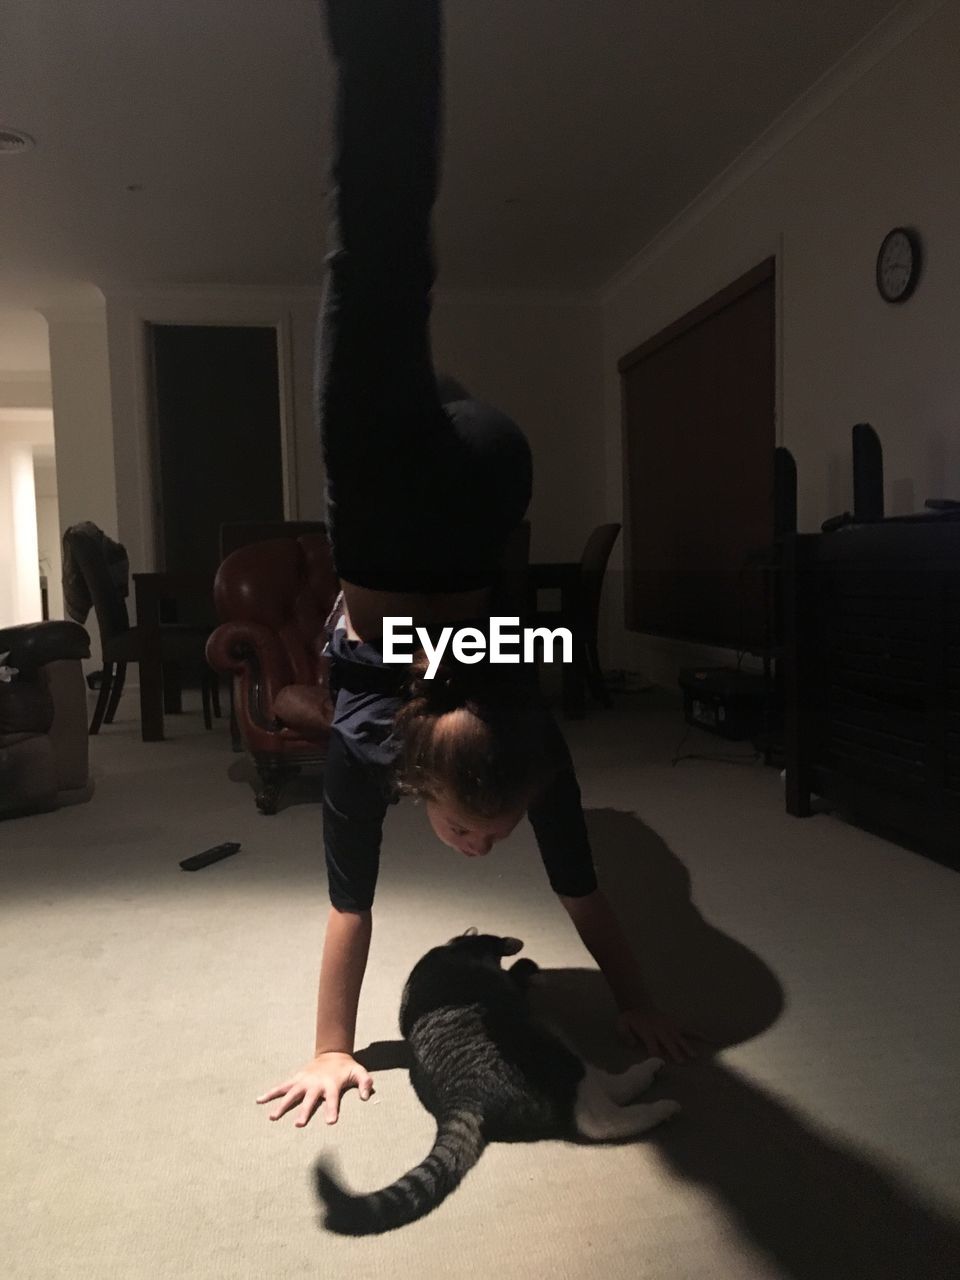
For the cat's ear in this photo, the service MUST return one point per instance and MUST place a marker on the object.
(510, 946)
(469, 933)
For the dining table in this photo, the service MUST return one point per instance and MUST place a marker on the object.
(161, 597)
(566, 579)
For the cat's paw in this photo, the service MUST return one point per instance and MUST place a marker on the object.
(663, 1110)
(635, 1081)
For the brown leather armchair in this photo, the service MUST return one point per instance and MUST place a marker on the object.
(273, 599)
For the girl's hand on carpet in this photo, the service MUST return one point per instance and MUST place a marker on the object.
(658, 1033)
(322, 1080)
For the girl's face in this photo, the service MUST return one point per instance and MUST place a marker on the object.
(472, 836)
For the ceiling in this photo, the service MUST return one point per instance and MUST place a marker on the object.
(185, 141)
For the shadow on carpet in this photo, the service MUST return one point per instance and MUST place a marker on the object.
(817, 1206)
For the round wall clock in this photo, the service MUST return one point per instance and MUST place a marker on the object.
(898, 264)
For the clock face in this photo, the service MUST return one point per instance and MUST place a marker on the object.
(898, 265)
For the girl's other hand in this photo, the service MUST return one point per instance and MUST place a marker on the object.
(323, 1080)
(658, 1034)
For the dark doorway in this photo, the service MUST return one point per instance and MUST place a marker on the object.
(699, 439)
(217, 431)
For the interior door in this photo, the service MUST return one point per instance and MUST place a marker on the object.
(218, 445)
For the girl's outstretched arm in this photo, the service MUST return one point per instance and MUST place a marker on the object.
(640, 1022)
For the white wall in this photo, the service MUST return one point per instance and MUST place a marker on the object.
(291, 311)
(26, 390)
(82, 419)
(49, 546)
(26, 431)
(23, 432)
(19, 571)
(539, 360)
(883, 151)
(83, 427)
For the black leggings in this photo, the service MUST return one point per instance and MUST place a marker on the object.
(420, 496)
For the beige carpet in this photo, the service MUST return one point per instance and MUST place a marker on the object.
(145, 1008)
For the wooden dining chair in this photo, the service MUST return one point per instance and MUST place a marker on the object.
(581, 587)
(121, 643)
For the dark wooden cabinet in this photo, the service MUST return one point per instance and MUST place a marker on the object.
(872, 618)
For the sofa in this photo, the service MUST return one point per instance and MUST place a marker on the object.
(44, 759)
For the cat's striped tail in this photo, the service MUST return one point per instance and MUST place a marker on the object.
(455, 1151)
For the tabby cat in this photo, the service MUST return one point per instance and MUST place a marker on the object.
(487, 1071)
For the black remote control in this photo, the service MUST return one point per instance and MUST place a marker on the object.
(210, 855)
